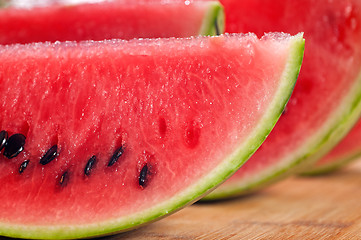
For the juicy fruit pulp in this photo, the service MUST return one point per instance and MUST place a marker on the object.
(120, 133)
(326, 100)
(109, 19)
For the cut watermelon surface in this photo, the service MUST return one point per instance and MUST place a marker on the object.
(326, 100)
(347, 150)
(59, 21)
(107, 136)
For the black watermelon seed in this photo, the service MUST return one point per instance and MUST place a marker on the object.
(116, 155)
(89, 165)
(23, 166)
(49, 155)
(14, 145)
(143, 176)
(3, 139)
(64, 179)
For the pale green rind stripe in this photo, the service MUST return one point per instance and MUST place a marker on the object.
(328, 168)
(333, 131)
(192, 193)
(333, 165)
(213, 22)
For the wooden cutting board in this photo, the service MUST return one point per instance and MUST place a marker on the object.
(325, 207)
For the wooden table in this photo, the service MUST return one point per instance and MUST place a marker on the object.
(327, 207)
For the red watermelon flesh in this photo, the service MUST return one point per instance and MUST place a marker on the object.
(58, 21)
(180, 114)
(347, 150)
(326, 100)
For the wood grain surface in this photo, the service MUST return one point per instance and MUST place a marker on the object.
(324, 207)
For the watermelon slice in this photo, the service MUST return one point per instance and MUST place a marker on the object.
(347, 150)
(101, 137)
(326, 100)
(108, 19)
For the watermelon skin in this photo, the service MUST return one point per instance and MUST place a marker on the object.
(109, 19)
(181, 107)
(326, 100)
(347, 150)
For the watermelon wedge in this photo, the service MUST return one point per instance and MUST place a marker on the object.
(26, 21)
(101, 137)
(349, 149)
(326, 100)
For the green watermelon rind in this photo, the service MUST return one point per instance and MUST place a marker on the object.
(331, 167)
(213, 19)
(345, 117)
(224, 170)
(334, 164)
